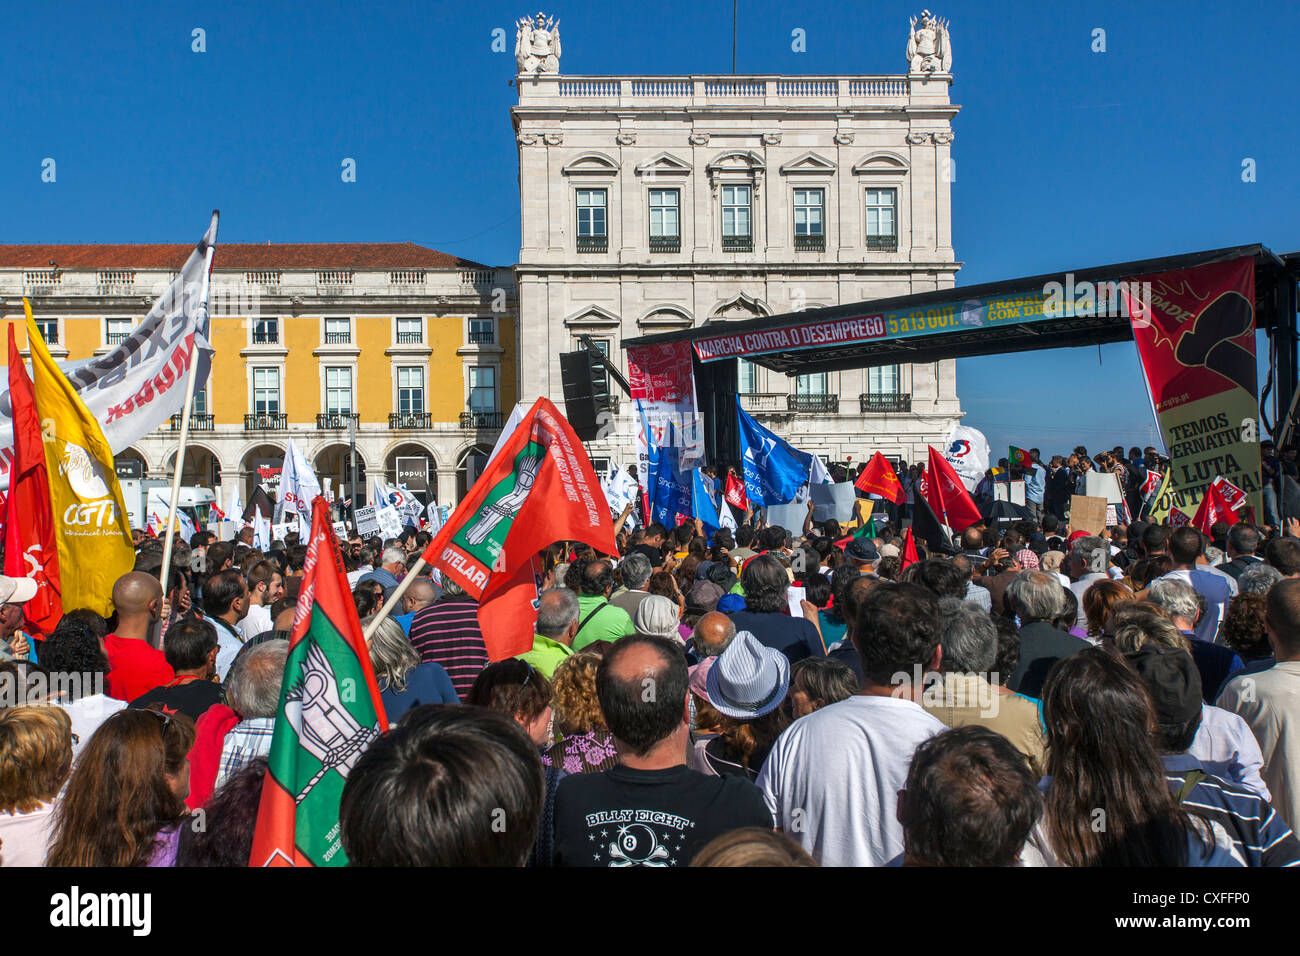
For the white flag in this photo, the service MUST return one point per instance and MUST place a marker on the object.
(818, 473)
(725, 518)
(967, 451)
(298, 488)
(261, 532)
(508, 429)
(620, 490)
(141, 383)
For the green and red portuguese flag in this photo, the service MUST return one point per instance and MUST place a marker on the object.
(539, 488)
(329, 713)
(1018, 456)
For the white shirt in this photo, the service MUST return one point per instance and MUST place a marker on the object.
(1217, 588)
(87, 713)
(832, 779)
(257, 620)
(25, 837)
(1269, 701)
(1224, 737)
(228, 645)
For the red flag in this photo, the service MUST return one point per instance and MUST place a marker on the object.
(878, 478)
(1213, 509)
(540, 488)
(31, 549)
(735, 493)
(909, 550)
(1020, 457)
(330, 711)
(947, 495)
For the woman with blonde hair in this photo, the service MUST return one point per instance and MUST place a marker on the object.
(404, 682)
(125, 802)
(585, 744)
(35, 760)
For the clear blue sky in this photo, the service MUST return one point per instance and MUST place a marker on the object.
(1065, 158)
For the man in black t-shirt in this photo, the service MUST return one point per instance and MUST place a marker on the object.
(190, 647)
(651, 809)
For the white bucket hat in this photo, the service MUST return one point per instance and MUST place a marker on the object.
(749, 679)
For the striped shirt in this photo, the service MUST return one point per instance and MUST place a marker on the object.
(1258, 833)
(446, 632)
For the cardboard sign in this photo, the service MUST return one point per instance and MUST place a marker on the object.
(1112, 517)
(367, 521)
(790, 517)
(832, 502)
(390, 522)
(279, 531)
(341, 530)
(1088, 514)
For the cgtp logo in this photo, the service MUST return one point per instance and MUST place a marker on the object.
(959, 448)
(83, 473)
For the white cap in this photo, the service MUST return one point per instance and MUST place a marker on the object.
(16, 590)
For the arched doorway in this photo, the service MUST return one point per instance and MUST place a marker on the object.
(202, 467)
(469, 465)
(413, 465)
(334, 463)
(130, 463)
(261, 464)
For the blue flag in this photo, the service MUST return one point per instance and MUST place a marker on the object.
(774, 471)
(670, 491)
(703, 503)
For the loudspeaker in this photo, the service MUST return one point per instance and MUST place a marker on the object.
(716, 386)
(586, 392)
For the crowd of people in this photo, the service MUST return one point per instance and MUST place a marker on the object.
(1027, 694)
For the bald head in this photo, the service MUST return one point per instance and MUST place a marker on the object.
(713, 632)
(420, 594)
(642, 686)
(134, 593)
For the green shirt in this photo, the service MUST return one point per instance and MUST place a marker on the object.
(546, 655)
(609, 623)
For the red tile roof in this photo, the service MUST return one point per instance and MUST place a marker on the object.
(237, 255)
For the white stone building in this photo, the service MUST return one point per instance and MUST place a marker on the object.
(655, 203)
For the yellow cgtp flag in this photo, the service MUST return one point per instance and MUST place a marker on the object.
(94, 532)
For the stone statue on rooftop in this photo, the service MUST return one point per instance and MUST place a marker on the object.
(929, 48)
(537, 44)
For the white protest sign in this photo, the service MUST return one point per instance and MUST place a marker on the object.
(390, 522)
(367, 521)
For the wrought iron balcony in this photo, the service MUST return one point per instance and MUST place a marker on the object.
(338, 338)
(593, 243)
(813, 403)
(266, 335)
(398, 420)
(328, 421)
(665, 243)
(737, 243)
(882, 243)
(266, 422)
(810, 243)
(885, 402)
(481, 419)
(199, 422)
(116, 338)
(482, 337)
(410, 338)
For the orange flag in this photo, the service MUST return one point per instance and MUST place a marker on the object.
(878, 478)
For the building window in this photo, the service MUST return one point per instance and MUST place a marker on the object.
(809, 215)
(737, 226)
(482, 332)
(882, 219)
(599, 374)
(116, 331)
(410, 391)
(266, 330)
(338, 331)
(410, 331)
(592, 233)
(49, 329)
(665, 220)
(747, 377)
(200, 404)
(266, 391)
(483, 389)
(810, 384)
(338, 391)
(883, 380)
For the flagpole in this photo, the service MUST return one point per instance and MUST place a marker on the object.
(411, 574)
(165, 571)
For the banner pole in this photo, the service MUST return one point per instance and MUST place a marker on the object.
(396, 596)
(165, 572)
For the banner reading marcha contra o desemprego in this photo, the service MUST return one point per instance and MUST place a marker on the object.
(1197, 350)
